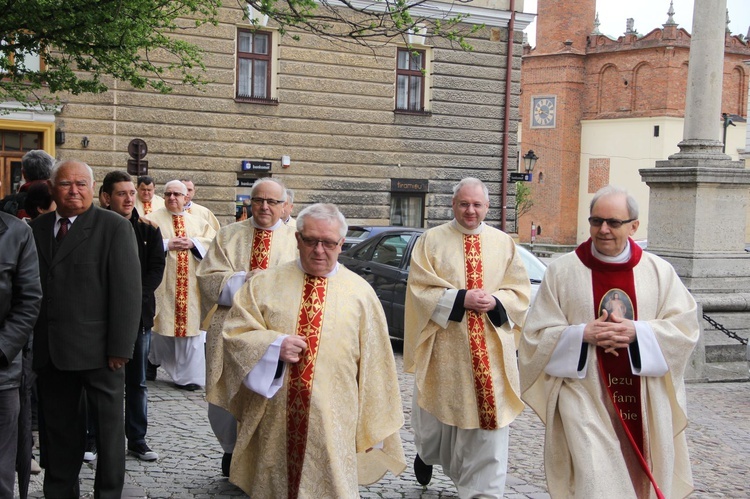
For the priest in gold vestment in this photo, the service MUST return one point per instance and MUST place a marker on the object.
(466, 300)
(239, 251)
(309, 373)
(198, 209)
(178, 344)
(607, 381)
(146, 199)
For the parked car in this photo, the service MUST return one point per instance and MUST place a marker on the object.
(358, 233)
(383, 261)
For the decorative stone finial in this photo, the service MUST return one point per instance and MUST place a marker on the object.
(596, 25)
(728, 32)
(629, 25)
(670, 13)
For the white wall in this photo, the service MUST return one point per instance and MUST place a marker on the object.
(630, 145)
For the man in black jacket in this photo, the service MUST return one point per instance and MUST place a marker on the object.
(88, 266)
(20, 298)
(120, 193)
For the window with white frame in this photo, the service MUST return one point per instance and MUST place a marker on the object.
(411, 66)
(254, 65)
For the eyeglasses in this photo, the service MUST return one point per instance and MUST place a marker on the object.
(613, 223)
(269, 202)
(311, 242)
(175, 194)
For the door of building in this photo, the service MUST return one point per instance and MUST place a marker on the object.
(10, 175)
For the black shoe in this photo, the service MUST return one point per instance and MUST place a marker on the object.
(226, 463)
(191, 387)
(142, 452)
(90, 454)
(422, 471)
(151, 371)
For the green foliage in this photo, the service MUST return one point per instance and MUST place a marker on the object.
(86, 44)
(379, 22)
(85, 41)
(524, 203)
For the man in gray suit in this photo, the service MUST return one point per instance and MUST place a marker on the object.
(91, 283)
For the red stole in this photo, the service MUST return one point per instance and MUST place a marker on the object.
(181, 281)
(614, 290)
(309, 326)
(480, 361)
(261, 250)
(147, 207)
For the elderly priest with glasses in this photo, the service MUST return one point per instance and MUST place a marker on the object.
(178, 344)
(602, 359)
(239, 251)
(309, 373)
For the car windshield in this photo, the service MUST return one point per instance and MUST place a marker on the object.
(534, 266)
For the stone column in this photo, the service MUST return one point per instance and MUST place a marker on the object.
(698, 197)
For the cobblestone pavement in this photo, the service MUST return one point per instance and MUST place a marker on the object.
(189, 455)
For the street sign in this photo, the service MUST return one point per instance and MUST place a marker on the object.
(519, 177)
(138, 167)
(255, 166)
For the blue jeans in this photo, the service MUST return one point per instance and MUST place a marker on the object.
(136, 391)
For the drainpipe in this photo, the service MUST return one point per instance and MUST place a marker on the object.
(506, 121)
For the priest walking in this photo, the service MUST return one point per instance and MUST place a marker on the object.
(178, 344)
(606, 380)
(239, 251)
(309, 373)
(466, 300)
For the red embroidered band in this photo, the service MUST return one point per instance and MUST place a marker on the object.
(480, 361)
(309, 326)
(261, 252)
(181, 281)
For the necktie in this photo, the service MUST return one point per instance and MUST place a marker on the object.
(63, 230)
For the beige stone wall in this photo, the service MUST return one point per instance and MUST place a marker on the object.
(334, 118)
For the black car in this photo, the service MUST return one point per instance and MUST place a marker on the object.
(383, 261)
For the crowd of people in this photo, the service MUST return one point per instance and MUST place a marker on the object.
(294, 353)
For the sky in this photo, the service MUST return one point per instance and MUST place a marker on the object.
(650, 14)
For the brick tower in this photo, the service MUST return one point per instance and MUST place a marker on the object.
(551, 107)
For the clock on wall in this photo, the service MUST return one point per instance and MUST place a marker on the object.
(543, 111)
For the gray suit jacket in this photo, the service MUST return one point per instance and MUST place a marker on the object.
(91, 283)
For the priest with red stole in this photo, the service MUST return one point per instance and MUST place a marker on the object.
(308, 371)
(602, 360)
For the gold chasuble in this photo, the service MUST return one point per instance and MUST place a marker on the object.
(465, 373)
(177, 297)
(156, 203)
(477, 344)
(238, 247)
(319, 435)
(638, 420)
(201, 211)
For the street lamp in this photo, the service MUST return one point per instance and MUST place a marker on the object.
(529, 160)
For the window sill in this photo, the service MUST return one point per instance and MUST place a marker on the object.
(413, 113)
(249, 100)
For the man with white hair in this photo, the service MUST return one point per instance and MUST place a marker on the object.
(466, 300)
(178, 344)
(608, 380)
(239, 251)
(91, 284)
(309, 373)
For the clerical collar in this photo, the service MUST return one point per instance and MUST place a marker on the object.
(464, 230)
(180, 214)
(275, 226)
(621, 258)
(188, 205)
(330, 274)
